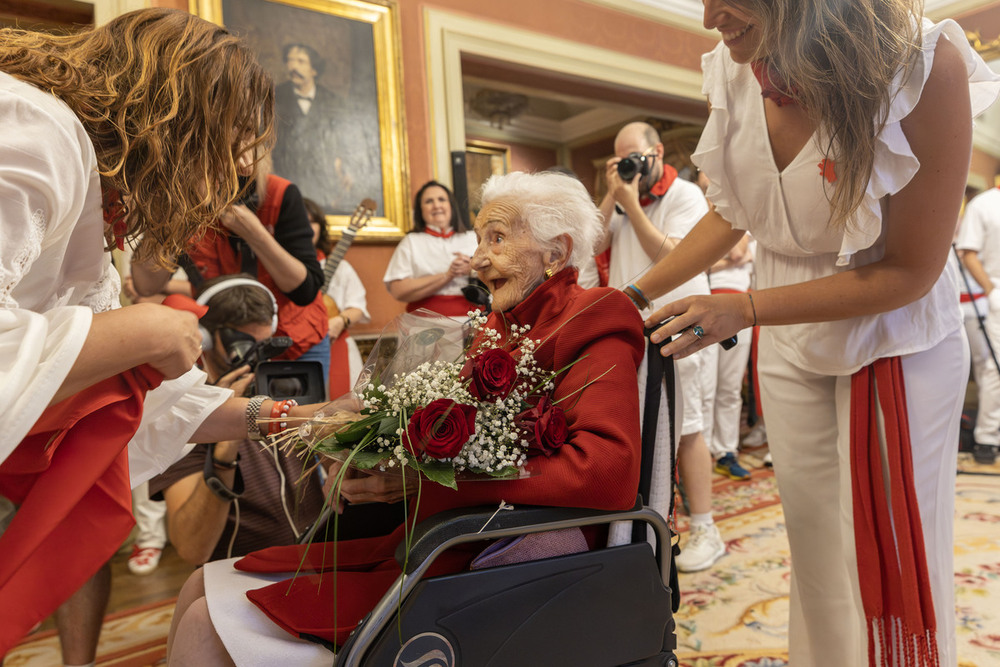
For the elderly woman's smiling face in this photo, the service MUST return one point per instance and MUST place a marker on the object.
(508, 258)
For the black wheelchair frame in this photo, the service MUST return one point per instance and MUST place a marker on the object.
(601, 608)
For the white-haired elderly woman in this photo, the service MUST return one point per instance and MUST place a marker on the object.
(533, 230)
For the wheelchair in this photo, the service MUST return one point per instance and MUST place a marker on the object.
(603, 607)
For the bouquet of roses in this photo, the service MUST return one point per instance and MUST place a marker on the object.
(445, 407)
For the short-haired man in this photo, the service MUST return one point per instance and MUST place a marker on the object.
(646, 217)
(272, 504)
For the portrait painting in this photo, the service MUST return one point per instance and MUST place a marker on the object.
(334, 65)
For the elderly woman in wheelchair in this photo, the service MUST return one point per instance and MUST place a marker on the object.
(533, 230)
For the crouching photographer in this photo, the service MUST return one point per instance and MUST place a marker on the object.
(231, 498)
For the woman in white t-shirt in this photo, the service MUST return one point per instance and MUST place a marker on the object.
(849, 173)
(431, 264)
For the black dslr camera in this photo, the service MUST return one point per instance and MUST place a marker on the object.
(301, 380)
(635, 164)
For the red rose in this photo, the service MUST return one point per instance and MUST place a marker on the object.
(546, 426)
(440, 429)
(493, 373)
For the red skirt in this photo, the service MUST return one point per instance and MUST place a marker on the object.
(70, 479)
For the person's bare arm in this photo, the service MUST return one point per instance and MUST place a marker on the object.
(970, 260)
(338, 324)
(196, 516)
(919, 227)
(146, 333)
(287, 271)
(654, 243)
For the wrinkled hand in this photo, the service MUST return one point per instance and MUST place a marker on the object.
(460, 266)
(720, 315)
(237, 379)
(623, 192)
(359, 486)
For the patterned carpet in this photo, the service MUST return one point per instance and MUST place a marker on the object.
(735, 614)
(732, 615)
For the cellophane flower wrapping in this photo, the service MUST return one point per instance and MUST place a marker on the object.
(452, 401)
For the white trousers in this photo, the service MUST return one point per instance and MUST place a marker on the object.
(984, 371)
(724, 390)
(808, 428)
(150, 518)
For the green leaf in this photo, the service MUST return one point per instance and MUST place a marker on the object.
(388, 425)
(367, 459)
(438, 471)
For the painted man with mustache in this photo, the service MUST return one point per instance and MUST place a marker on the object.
(311, 124)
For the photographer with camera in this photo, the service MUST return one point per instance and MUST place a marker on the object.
(647, 211)
(234, 497)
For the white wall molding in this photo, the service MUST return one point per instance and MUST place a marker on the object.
(448, 36)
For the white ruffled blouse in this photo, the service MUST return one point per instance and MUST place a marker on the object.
(55, 274)
(788, 211)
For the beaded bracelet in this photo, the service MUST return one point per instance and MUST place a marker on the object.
(280, 411)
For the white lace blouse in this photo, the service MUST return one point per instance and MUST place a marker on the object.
(54, 272)
(788, 213)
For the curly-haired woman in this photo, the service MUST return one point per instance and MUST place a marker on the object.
(141, 126)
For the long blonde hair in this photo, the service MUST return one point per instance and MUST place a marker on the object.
(170, 102)
(840, 58)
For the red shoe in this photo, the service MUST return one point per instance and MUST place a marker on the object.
(145, 560)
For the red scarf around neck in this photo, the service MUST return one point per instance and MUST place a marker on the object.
(441, 235)
(660, 187)
(772, 85)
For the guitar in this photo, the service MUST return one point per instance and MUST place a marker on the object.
(362, 214)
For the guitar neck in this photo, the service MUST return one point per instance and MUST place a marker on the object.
(333, 261)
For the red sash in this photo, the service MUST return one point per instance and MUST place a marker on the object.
(340, 366)
(889, 539)
(451, 306)
(69, 477)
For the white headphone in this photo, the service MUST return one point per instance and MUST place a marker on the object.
(222, 286)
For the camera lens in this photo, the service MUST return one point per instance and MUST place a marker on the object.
(628, 168)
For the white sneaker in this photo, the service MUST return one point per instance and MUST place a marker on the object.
(768, 462)
(144, 560)
(704, 546)
(756, 437)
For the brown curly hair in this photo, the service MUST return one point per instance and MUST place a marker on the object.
(170, 102)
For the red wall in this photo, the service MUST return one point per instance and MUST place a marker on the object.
(567, 19)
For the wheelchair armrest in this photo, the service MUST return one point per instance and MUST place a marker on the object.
(471, 524)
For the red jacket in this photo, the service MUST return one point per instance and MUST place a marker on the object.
(214, 256)
(597, 467)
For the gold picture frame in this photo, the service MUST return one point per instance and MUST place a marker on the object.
(482, 160)
(357, 101)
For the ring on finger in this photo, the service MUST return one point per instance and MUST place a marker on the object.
(698, 331)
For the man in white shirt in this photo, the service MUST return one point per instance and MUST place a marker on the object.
(647, 211)
(978, 245)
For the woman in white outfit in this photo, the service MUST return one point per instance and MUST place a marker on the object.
(431, 265)
(840, 137)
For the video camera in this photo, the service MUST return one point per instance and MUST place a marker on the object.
(301, 380)
(635, 163)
